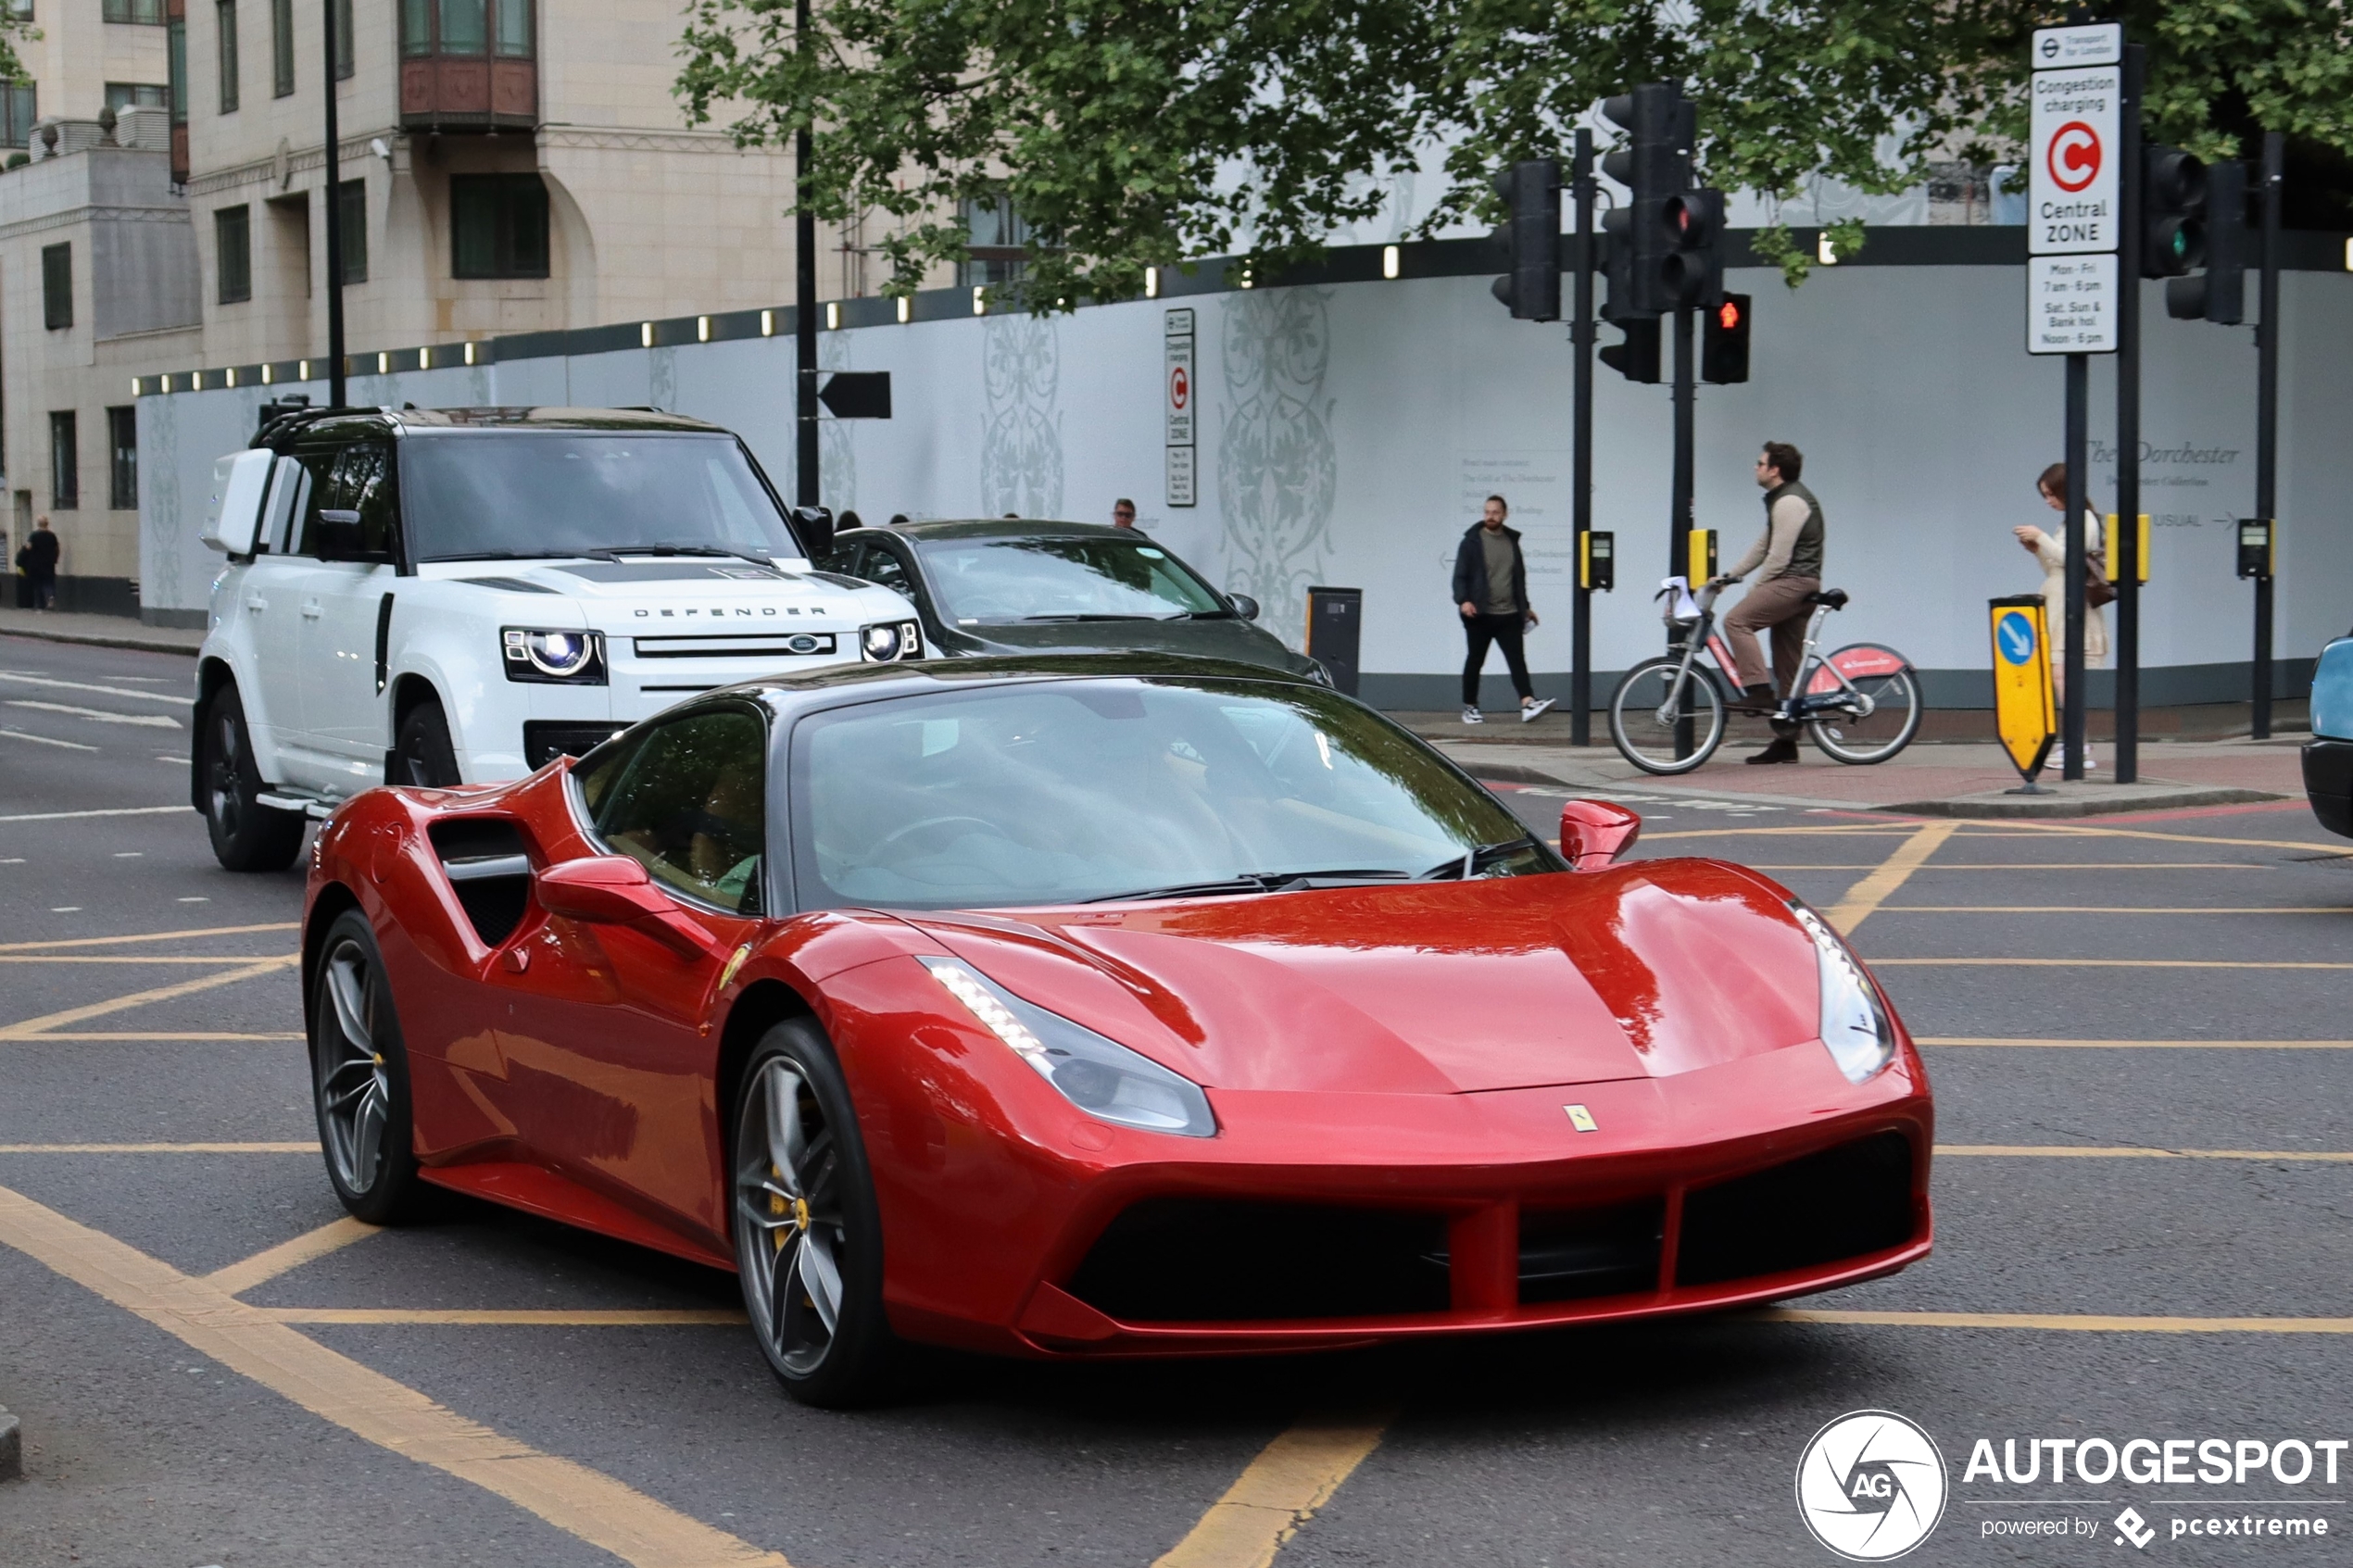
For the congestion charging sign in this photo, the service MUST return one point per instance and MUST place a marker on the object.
(2073, 189)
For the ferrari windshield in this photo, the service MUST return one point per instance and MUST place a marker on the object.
(1070, 791)
(1070, 577)
(471, 496)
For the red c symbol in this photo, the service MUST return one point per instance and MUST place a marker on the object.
(2074, 156)
(1177, 387)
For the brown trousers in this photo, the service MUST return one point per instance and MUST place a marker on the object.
(1780, 604)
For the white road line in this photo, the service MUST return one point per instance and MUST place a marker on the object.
(44, 740)
(113, 811)
(151, 721)
(177, 699)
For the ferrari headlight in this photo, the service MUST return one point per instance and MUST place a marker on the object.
(1101, 1077)
(568, 658)
(887, 642)
(1860, 1035)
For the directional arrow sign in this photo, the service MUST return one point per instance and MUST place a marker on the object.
(857, 395)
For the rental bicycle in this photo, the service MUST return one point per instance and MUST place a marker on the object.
(1859, 705)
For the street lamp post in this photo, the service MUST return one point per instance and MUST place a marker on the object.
(804, 298)
(334, 216)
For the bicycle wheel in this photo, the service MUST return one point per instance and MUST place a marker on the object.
(1885, 677)
(1646, 732)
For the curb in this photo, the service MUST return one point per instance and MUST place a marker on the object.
(11, 1448)
(2079, 806)
(96, 640)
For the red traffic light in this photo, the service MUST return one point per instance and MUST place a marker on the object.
(1727, 315)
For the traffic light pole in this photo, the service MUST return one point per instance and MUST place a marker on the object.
(2267, 422)
(2078, 396)
(333, 215)
(1679, 533)
(1581, 336)
(2125, 537)
(804, 237)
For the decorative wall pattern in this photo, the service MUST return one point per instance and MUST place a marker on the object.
(1277, 470)
(1020, 448)
(163, 548)
(661, 378)
(837, 455)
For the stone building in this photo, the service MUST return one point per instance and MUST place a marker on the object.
(507, 166)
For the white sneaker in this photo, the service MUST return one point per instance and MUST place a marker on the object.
(1528, 711)
(1473, 716)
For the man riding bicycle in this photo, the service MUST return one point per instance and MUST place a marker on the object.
(1788, 560)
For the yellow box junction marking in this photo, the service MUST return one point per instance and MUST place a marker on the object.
(158, 1149)
(147, 936)
(583, 1502)
(2077, 1151)
(1874, 889)
(2140, 1045)
(35, 1028)
(520, 1317)
(1292, 1477)
(287, 1255)
(2080, 1323)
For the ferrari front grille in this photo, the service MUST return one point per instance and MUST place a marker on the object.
(1576, 1254)
(1184, 1260)
(1843, 1202)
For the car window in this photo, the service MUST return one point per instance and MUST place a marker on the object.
(1061, 791)
(318, 469)
(281, 513)
(881, 565)
(362, 481)
(1070, 577)
(688, 800)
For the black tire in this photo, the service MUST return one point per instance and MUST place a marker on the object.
(1894, 718)
(359, 1078)
(816, 1232)
(246, 836)
(1651, 746)
(422, 753)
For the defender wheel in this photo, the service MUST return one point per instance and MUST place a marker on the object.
(246, 836)
(808, 1231)
(359, 1077)
(421, 754)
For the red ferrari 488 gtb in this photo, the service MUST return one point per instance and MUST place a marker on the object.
(1099, 1005)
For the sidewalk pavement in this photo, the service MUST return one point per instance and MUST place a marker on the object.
(1954, 779)
(103, 631)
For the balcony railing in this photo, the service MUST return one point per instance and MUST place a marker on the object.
(468, 65)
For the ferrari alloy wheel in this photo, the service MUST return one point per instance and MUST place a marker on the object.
(359, 1077)
(246, 836)
(808, 1234)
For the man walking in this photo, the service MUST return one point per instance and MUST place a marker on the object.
(40, 562)
(1123, 513)
(1788, 563)
(1491, 591)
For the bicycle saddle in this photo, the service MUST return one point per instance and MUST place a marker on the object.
(1834, 598)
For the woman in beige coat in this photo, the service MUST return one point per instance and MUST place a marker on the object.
(2052, 552)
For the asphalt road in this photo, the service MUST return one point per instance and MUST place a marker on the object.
(161, 1430)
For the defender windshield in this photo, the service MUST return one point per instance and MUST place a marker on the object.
(471, 496)
(978, 582)
(1070, 791)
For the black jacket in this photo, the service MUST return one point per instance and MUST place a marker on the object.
(1470, 570)
(41, 555)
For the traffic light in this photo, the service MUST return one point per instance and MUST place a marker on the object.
(2172, 212)
(1655, 166)
(1723, 347)
(1636, 358)
(1692, 270)
(2219, 292)
(1530, 238)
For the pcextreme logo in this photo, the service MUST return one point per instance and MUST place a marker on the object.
(1870, 1485)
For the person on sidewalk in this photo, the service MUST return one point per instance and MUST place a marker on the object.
(1490, 591)
(2052, 553)
(1123, 513)
(1787, 558)
(40, 563)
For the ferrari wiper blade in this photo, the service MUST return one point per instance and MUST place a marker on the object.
(1460, 868)
(1188, 890)
(1262, 881)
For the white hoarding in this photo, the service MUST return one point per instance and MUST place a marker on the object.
(2072, 172)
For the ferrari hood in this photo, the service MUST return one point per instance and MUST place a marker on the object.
(1432, 988)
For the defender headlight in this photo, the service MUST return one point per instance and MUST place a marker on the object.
(888, 642)
(1101, 1077)
(566, 658)
(1860, 1035)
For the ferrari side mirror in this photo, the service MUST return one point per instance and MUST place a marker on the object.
(1594, 832)
(615, 890)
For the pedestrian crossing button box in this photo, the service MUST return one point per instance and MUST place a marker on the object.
(1335, 632)
(1597, 560)
(2258, 548)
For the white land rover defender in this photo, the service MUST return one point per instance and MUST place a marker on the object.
(459, 595)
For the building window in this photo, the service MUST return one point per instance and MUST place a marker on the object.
(121, 95)
(122, 471)
(466, 27)
(282, 46)
(354, 214)
(416, 27)
(56, 285)
(498, 226)
(177, 68)
(233, 250)
(19, 107)
(17, 10)
(347, 61)
(998, 239)
(514, 29)
(65, 463)
(227, 31)
(147, 13)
